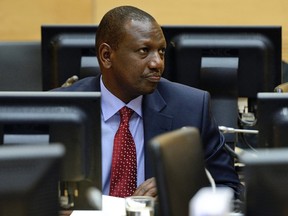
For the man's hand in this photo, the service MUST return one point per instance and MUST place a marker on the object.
(70, 81)
(147, 188)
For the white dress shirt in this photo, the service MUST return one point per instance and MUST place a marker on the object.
(110, 120)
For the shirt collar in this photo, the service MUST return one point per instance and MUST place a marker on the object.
(110, 104)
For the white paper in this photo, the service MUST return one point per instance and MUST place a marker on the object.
(111, 206)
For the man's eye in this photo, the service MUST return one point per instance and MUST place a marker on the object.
(162, 51)
(143, 50)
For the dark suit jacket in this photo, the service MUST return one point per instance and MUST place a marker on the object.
(172, 106)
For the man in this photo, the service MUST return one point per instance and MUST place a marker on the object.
(130, 49)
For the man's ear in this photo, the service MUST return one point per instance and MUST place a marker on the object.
(105, 54)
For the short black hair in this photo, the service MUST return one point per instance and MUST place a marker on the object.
(111, 28)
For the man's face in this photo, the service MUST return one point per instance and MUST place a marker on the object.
(138, 62)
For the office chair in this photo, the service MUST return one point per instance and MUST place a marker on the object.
(179, 169)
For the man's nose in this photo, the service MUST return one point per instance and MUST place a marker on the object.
(156, 61)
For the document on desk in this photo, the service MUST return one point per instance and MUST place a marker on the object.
(111, 206)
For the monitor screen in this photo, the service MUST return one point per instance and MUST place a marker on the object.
(71, 118)
(29, 179)
(265, 177)
(272, 120)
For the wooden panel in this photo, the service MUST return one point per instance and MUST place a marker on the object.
(21, 20)
(212, 12)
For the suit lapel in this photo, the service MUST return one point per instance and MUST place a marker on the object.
(155, 122)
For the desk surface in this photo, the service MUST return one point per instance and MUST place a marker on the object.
(114, 206)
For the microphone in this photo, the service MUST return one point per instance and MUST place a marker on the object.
(225, 129)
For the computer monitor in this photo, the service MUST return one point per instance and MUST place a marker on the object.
(71, 118)
(171, 32)
(20, 66)
(272, 120)
(231, 63)
(240, 64)
(67, 50)
(178, 182)
(29, 179)
(265, 177)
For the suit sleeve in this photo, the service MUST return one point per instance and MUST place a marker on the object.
(218, 161)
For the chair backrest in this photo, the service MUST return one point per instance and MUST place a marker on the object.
(179, 169)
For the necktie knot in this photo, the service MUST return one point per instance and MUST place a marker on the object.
(125, 114)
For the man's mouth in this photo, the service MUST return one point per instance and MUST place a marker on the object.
(153, 77)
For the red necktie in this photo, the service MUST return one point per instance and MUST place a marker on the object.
(124, 165)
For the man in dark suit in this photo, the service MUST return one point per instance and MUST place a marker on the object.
(130, 49)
